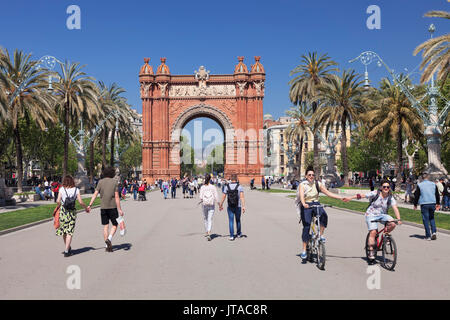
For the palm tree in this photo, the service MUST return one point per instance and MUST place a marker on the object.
(111, 100)
(3, 95)
(297, 130)
(126, 132)
(32, 103)
(341, 104)
(392, 114)
(77, 95)
(312, 73)
(436, 53)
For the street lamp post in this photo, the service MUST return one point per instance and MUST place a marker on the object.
(433, 120)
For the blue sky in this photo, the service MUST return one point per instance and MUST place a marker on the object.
(115, 36)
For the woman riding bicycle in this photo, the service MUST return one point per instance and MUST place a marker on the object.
(307, 195)
(380, 201)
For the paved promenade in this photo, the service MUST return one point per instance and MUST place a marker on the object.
(165, 256)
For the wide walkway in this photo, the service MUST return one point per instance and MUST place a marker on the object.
(165, 256)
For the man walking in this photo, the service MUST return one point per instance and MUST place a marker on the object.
(110, 204)
(236, 205)
(173, 191)
(427, 195)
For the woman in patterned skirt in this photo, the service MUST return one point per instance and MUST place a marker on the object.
(67, 216)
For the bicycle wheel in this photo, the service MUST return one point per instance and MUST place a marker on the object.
(321, 255)
(389, 253)
(367, 247)
(309, 251)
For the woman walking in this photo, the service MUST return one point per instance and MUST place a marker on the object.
(68, 194)
(208, 197)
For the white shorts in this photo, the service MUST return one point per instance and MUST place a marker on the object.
(374, 225)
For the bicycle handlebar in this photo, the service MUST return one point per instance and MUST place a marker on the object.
(384, 222)
(319, 206)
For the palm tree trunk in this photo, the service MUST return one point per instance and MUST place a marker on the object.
(111, 160)
(399, 151)
(104, 140)
(344, 150)
(91, 162)
(316, 165)
(300, 159)
(66, 139)
(19, 159)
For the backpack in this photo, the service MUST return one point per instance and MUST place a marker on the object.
(69, 202)
(377, 196)
(233, 196)
(208, 197)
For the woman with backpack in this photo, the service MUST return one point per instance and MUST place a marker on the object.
(67, 197)
(379, 203)
(208, 198)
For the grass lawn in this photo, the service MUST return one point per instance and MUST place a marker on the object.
(277, 191)
(442, 220)
(24, 216)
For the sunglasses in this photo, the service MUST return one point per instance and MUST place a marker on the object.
(386, 187)
(311, 175)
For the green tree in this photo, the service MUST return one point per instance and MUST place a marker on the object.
(436, 52)
(76, 94)
(391, 113)
(215, 161)
(131, 158)
(33, 102)
(312, 73)
(297, 130)
(341, 104)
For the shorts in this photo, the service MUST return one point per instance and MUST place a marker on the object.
(374, 225)
(109, 214)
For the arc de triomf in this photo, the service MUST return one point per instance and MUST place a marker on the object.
(234, 101)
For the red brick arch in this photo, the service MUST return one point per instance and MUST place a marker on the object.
(234, 101)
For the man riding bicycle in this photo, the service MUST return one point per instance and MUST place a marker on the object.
(307, 195)
(380, 201)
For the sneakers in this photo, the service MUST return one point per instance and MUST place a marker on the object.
(303, 255)
(433, 236)
(108, 246)
(208, 237)
(239, 236)
(322, 239)
(231, 238)
(428, 239)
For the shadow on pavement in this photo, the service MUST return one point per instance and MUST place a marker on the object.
(417, 236)
(123, 246)
(340, 257)
(190, 234)
(83, 250)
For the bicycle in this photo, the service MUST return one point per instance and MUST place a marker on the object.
(315, 249)
(384, 243)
